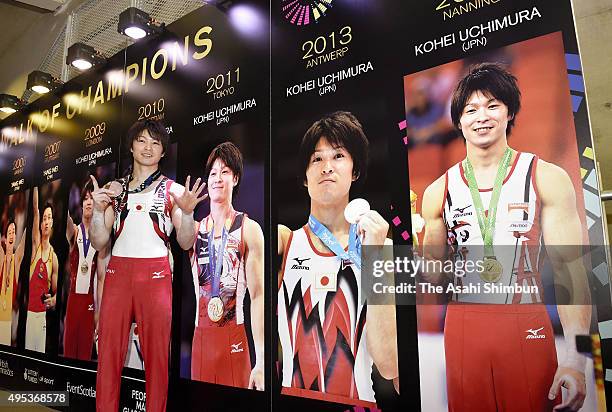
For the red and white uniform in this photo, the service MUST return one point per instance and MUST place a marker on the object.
(7, 294)
(517, 238)
(322, 326)
(40, 283)
(220, 350)
(488, 335)
(138, 284)
(79, 324)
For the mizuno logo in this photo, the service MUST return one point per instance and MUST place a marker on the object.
(111, 271)
(300, 261)
(158, 275)
(157, 209)
(236, 348)
(462, 209)
(462, 212)
(300, 264)
(90, 307)
(534, 334)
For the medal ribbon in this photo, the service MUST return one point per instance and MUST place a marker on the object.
(125, 183)
(147, 181)
(86, 241)
(215, 264)
(487, 223)
(354, 246)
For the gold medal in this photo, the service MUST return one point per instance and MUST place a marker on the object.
(84, 267)
(215, 309)
(492, 270)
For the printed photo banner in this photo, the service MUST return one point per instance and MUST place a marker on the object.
(536, 42)
(194, 69)
(333, 90)
(392, 66)
(18, 137)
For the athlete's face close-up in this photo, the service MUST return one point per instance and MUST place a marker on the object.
(46, 225)
(330, 173)
(10, 235)
(87, 205)
(146, 150)
(484, 119)
(221, 181)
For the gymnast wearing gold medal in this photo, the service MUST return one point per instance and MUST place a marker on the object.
(227, 260)
(494, 201)
(82, 307)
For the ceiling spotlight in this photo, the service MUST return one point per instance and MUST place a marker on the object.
(83, 56)
(41, 82)
(9, 103)
(137, 24)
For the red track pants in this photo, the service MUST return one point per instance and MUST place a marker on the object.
(79, 326)
(138, 288)
(221, 355)
(499, 358)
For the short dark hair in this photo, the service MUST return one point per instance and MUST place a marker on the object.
(88, 188)
(229, 153)
(493, 80)
(9, 222)
(156, 130)
(340, 129)
(46, 206)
